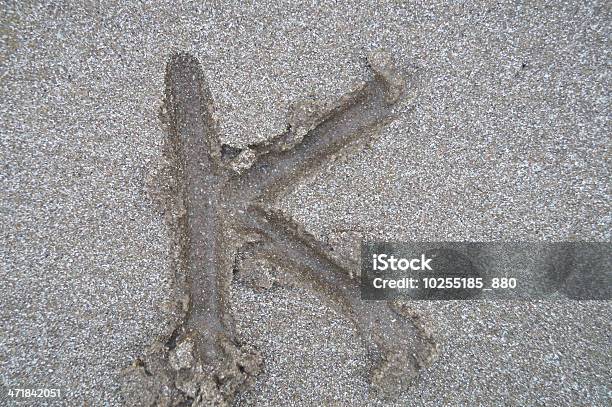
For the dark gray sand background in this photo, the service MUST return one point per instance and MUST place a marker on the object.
(504, 135)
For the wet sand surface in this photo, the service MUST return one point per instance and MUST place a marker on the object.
(502, 135)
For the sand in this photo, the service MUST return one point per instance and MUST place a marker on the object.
(503, 135)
